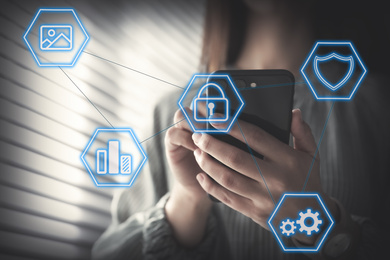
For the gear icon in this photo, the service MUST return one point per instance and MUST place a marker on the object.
(316, 221)
(290, 224)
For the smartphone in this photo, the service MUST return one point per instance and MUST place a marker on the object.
(268, 101)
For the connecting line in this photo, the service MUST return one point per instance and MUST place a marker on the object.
(161, 131)
(123, 66)
(87, 98)
(318, 147)
(257, 165)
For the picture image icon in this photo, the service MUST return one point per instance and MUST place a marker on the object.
(56, 37)
(110, 161)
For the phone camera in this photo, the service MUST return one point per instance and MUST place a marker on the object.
(240, 83)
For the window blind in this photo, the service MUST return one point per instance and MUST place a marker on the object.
(49, 205)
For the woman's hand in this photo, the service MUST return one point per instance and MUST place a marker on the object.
(188, 206)
(240, 184)
(179, 149)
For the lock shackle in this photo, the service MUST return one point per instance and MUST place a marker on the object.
(212, 85)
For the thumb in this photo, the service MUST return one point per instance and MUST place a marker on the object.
(302, 136)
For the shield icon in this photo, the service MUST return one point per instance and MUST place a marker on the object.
(348, 59)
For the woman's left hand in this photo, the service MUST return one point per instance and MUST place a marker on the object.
(238, 182)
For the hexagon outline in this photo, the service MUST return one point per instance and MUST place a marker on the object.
(189, 86)
(75, 58)
(356, 55)
(324, 235)
(138, 169)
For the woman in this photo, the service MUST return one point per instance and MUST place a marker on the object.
(185, 224)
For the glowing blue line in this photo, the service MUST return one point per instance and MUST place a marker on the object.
(257, 165)
(318, 147)
(162, 131)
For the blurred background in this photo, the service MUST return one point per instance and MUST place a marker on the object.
(47, 199)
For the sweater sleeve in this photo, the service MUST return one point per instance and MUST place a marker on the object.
(148, 235)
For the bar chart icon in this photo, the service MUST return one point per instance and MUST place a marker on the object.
(110, 161)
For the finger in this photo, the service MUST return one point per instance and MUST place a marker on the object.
(227, 178)
(227, 197)
(231, 156)
(176, 138)
(201, 109)
(258, 139)
(302, 135)
(179, 119)
(181, 123)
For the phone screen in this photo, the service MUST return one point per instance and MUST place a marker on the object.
(268, 98)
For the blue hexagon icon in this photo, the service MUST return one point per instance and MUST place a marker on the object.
(113, 157)
(333, 70)
(306, 222)
(56, 37)
(222, 97)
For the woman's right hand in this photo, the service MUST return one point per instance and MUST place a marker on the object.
(188, 207)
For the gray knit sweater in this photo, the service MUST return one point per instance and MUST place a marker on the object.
(354, 170)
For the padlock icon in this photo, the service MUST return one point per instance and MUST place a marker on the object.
(211, 105)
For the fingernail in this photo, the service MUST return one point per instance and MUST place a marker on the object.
(197, 153)
(217, 124)
(196, 137)
(299, 114)
(200, 177)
